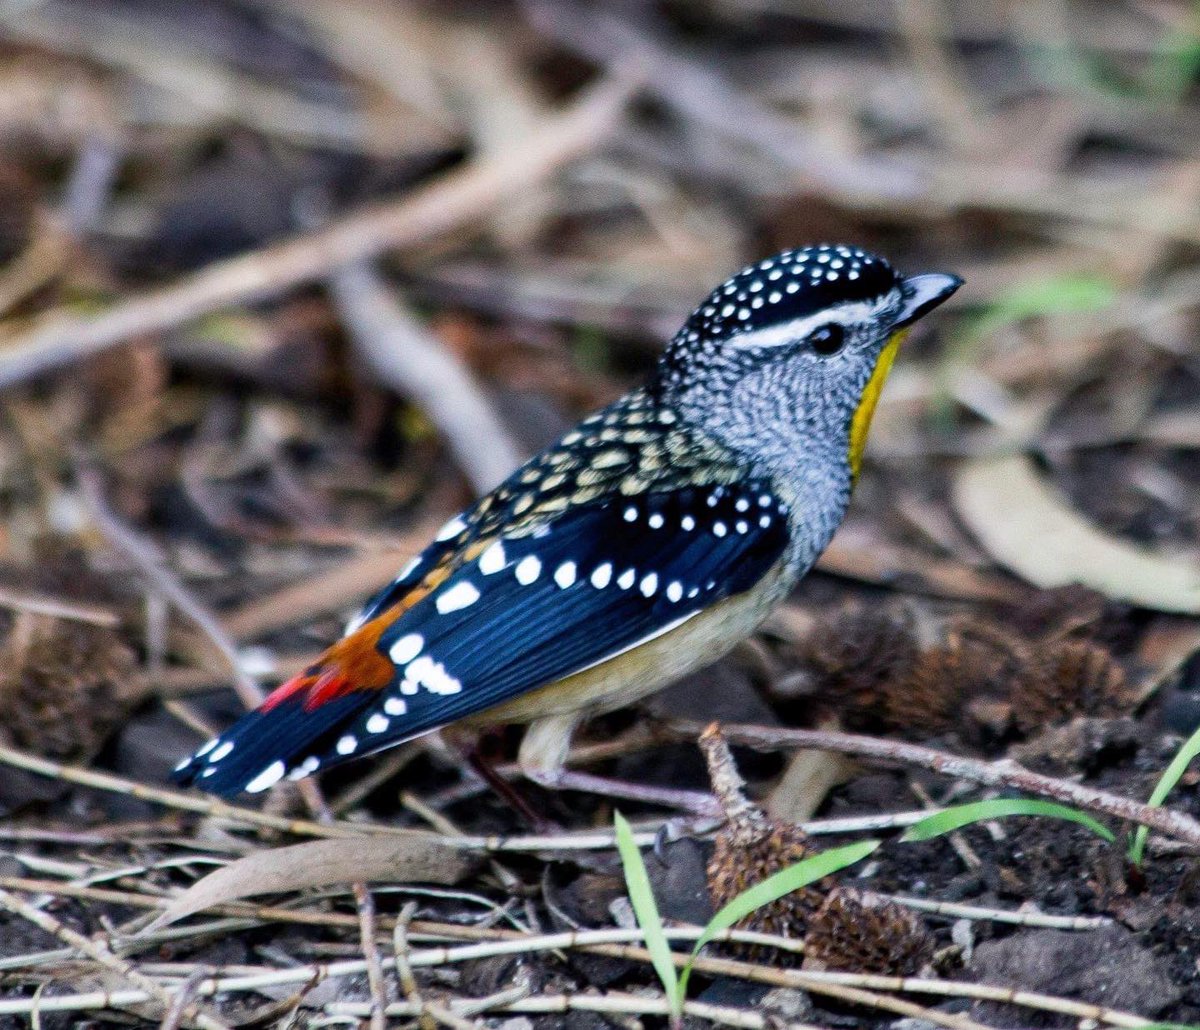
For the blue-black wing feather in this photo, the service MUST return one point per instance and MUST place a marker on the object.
(569, 594)
(517, 637)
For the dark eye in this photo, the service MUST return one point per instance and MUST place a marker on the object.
(828, 339)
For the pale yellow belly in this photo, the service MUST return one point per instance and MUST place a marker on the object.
(651, 666)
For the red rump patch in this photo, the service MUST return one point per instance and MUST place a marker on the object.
(354, 662)
(329, 686)
(285, 691)
(321, 687)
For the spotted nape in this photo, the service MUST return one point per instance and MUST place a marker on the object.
(499, 616)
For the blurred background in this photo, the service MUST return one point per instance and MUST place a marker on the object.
(284, 283)
(1045, 151)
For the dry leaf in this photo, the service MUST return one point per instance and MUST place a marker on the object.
(1027, 526)
(807, 780)
(856, 553)
(412, 857)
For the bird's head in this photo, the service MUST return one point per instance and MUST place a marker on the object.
(785, 361)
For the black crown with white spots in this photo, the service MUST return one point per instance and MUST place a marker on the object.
(790, 285)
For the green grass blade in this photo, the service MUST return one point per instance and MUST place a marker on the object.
(773, 888)
(1044, 296)
(1056, 295)
(637, 883)
(1166, 783)
(1173, 68)
(1000, 808)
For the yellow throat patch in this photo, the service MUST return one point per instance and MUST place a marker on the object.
(861, 423)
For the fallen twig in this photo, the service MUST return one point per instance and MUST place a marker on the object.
(493, 941)
(56, 608)
(1020, 917)
(612, 1003)
(202, 805)
(409, 360)
(859, 988)
(101, 955)
(456, 199)
(145, 556)
(367, 921)
(1004, 773)
(404, 973)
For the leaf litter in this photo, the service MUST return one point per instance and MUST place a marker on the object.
(539, 193)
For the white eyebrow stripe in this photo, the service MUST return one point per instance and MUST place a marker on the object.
(798, 328)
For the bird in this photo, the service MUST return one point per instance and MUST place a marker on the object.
(644, 544)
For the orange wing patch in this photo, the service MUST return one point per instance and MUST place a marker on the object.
(355, 662)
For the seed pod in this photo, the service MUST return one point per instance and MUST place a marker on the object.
(745, 855)
(64, 688)
(751, 847)
(862, 933)
(1067, 678)
(925, 700)
(859, 655)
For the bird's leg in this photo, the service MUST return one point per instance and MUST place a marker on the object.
(506, 791)
(545, 747)
(543, 758)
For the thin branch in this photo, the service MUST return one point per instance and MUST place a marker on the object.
(707, 100)
(314, 799)
(406, 357)
(177, 799)
(1004, 773)
(142, 52)
(101, 955)
(367, 921)
(954, 910)
(404, 973)
(491, 940)
(850, 987)
(149, 562)
(611, 1003)
(179, 1003)
(454, 200)
(367, 917)
(39, 604)
(92, 180)
(857, 987)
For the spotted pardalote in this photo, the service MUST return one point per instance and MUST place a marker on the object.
(649, 540)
